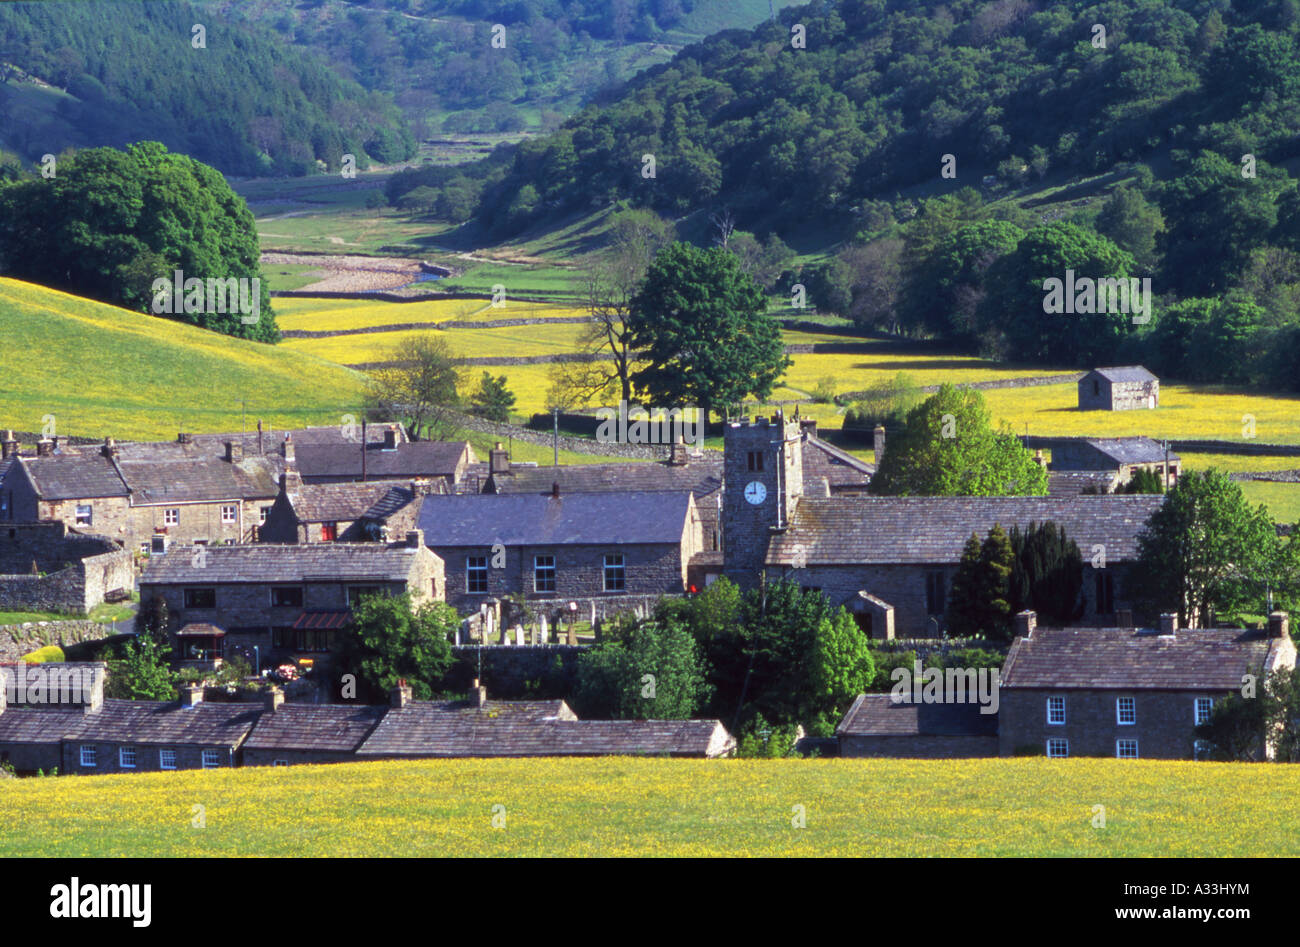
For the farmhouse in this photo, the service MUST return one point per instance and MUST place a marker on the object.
(606, 549)
(1119, 455)
(280, 603)
(1127, 692)
(1118, 389)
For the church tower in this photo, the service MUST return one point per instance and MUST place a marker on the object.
(762, 481)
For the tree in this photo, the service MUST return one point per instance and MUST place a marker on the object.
(142, 673)
(388, 641)
(654, 670)
(1204, 552)
(1133, 223)
(948, 448)
(418, 383)
(943, 292)
(492, 400)
(1046, 574)
(979, 602)
(699, 325)
(1143, 481)
(151, 620)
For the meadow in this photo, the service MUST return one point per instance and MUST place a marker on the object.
(664, 807)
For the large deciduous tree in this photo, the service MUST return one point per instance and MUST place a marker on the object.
(419, 382)
(388, 641)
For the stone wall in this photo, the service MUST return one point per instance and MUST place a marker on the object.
(80, 570)
(17, 640)
(506, 672)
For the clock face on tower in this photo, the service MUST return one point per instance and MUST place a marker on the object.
(755, 492)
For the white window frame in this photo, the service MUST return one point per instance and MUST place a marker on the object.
(1120, 706)
(1119, 750)
(211, 759)
(261, 513)
(126, 757)
(163, 756)
(554, 573)
(620, 567)
(1197, 717)
(230, 513)
(1051, 721)
(89, 755)
(1064, 752)
(172, 516)
(84, 519)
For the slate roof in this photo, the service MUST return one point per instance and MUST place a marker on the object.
(701, 477)
(1065, 483)
(842, 470)
(418, 459)
(877, 715)
(134, 721)
(1131, 450)
(74, 476)
(332, 502)
(205, 479)
(270, 562)
(1124, 373)
(536, 520)
(44, 725)
(1129, 659)
(523, 728)
(336, 727)
(895, 530)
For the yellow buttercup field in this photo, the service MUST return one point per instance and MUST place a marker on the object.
(639, 807)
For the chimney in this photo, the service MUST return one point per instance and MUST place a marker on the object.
(1038, 458)
(44, 447)
(555, 489)
(477, 694)
(191, 694)
(290, 480)
(677, 455)
(390, 438)
(415, 538)
(498, 460)
(93, 702)
(1168, 623)
(110, 447)
(400, 695)
(9, 446)
(260, 452)
(184, 437)
(274, 698)
(1026, 622)
(1279, 625)
(878, 439)
(286, 449)
(54, 441)
(234, 451)
(808, 426)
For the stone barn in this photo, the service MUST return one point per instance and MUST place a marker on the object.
(1125, 388)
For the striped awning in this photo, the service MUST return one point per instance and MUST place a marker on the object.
(322, 619)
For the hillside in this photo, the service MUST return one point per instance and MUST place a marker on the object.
(101, 370)
(661, 807)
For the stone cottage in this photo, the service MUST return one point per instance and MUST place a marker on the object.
(1124, 388)
(1121, 456)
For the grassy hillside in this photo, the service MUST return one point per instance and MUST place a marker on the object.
(639, 807)
(102, 371)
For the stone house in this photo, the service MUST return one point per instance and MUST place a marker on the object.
(877, 726)
(289, 733)
(602, 549)
(279, 603)
(392, 458)
(342, 512)
(48, 567)
(1123, 388)
(1127, 692)
(1121, 456)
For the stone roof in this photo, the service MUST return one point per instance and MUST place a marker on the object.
(1124, 373)
(134, 721)
(74, 476)
(877, 715)
(1132, 659)
(701, 477)
(205, 479)
(1065, 483)
(408, 459)
(841, 470)
(534, 728)
(337, 727)
(889, 530)
(541, 520)
(270, 562)
(1131, 450)
(333, 502)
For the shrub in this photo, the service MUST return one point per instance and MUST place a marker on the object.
(824, 392)
(50, 653)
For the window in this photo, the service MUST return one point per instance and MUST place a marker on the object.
(1202, 709)
(311, 639)
(1126, 749)
(433, 588)
(84, 511)
(1057, 748)
(1056, 710)
(200, 598)
(356, 593)
(1125, 710)
(261, 513)
(166, 759)
(172, 517)
(1096, 387)
(229, 513)
(934, 597)
(755, 461)
(543, 573)
(476, 575)
(126, 757)
(88, 755)
(158, 545)
(329, 532)
(615, 573)
(211, 759)
(1105, 601)
(144, 549)
(282, 636)
(288, 597)
(279, 762)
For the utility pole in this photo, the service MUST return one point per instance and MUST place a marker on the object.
(555, 437)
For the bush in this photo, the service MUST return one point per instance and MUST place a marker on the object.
(886, 662)
(824, 393)
(49, 654)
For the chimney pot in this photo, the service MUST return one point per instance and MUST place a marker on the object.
(184, 437)
(191, 695)
(1168, 623)
(110, 447)
(274, 698)
(9, 446)
(1279, 625)
(555, 489)
(415, 538)
(1026, 622)
(400, 695)
(498, 460)
(677, 455)
(286, 449)
(44, 447)
(477, 694)
(878, 442)
(234, 451)
(390, 438)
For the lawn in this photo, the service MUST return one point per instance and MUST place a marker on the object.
(478, 343)
(101, 370)
(1282, 499)
(662, 807)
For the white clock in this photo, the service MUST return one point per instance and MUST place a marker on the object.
(755, 492)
